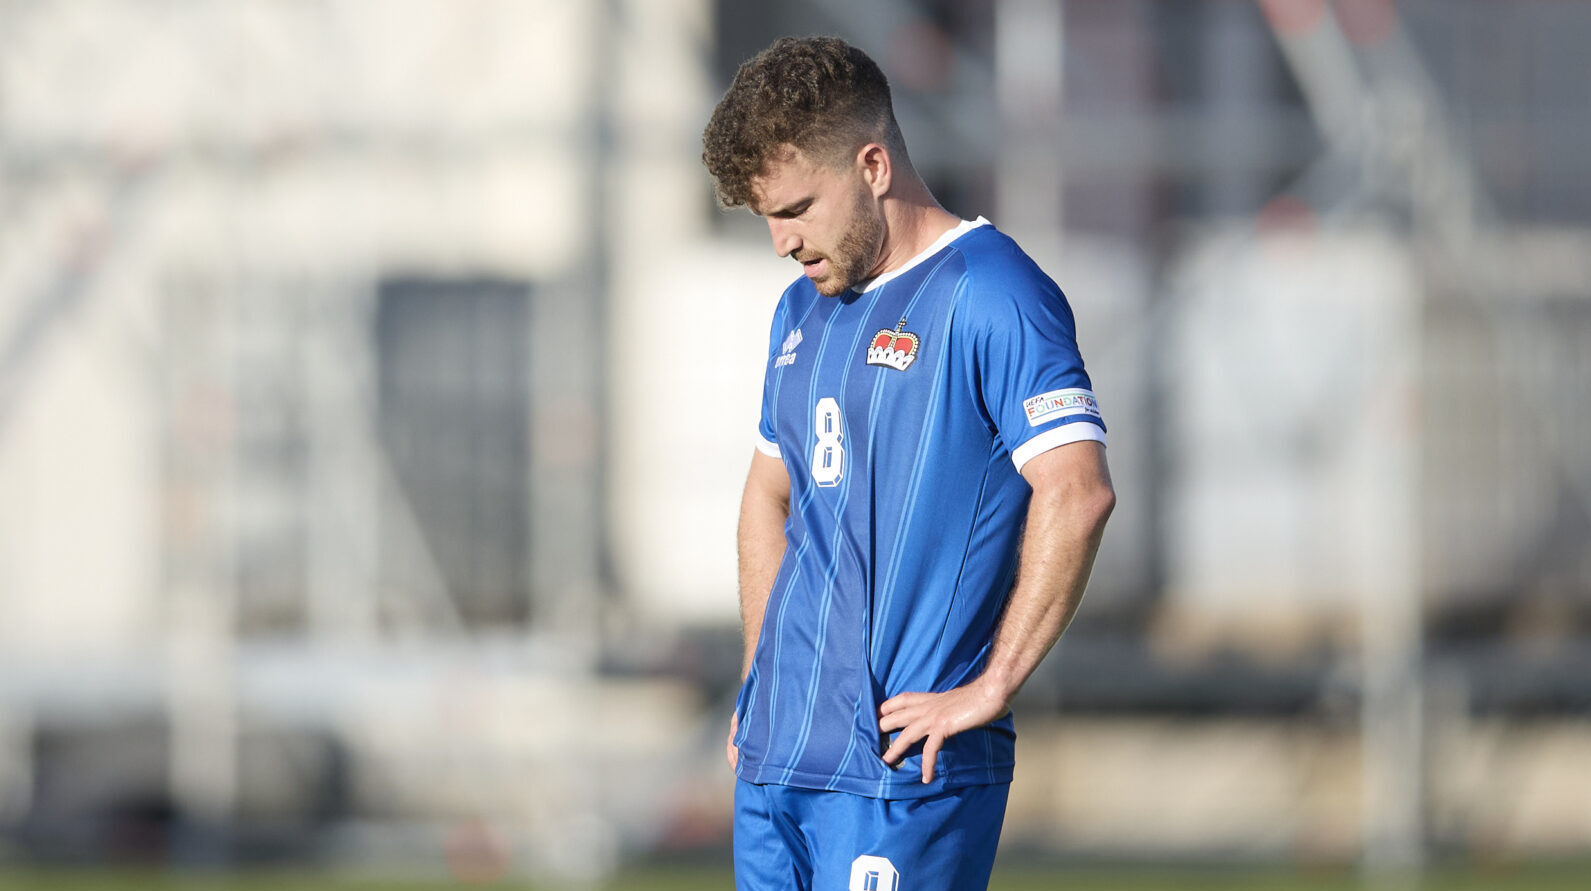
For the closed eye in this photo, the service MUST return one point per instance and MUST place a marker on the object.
(790, 212)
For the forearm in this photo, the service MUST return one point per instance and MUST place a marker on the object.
(764, 508)
(1058, 551)
(1064, 526)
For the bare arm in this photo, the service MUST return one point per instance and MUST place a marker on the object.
(764, 508)
(1072, 499)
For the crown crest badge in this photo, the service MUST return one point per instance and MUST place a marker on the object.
(895, 349)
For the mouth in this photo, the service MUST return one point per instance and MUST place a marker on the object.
(815, 267)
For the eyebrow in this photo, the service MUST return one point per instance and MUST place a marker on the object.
(794, 208)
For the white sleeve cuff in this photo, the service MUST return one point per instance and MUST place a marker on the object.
(1077, 431)
(771, 449)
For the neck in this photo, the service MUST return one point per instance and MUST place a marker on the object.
(913, 220)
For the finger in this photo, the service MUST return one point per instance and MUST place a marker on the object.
(897, 749)
(930, 755)
(899, 701)
(896, 721)
(733, 754)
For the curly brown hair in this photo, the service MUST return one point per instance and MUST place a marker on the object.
(819, 95)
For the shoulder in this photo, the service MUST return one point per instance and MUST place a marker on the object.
(1001, 281)
(793, 300)
(989, 250)
(785, 313)
(795, 292)
(796, 297)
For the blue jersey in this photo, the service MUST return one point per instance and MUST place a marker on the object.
(903, 413)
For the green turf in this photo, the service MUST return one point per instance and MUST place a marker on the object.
(1521, 878)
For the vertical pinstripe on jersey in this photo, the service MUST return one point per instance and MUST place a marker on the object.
(828, 577)
(862, 336)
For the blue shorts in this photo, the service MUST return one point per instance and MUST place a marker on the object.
(792, 839)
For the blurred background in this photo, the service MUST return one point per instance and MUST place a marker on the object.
(378, 377)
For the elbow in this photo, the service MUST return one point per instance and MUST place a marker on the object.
(1091, 503)
(1100, 503)
(1086, 507)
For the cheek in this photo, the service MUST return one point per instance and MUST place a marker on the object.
(822, 233)
(841, 229)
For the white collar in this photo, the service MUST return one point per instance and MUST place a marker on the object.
(939, 244)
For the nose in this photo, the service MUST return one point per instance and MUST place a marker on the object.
(785, 241)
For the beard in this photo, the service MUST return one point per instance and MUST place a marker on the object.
(854, 257)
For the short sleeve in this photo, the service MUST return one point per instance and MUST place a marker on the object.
(767, 439)
(767, 436)
(1030, 374)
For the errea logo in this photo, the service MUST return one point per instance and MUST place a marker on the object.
(787, 354)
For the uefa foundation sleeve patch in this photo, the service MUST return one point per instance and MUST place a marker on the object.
(1055, 404)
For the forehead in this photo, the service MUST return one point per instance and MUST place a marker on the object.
(787, 177)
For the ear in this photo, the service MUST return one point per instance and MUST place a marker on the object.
(874, 164)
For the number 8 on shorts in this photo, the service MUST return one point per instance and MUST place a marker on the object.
(869, 873)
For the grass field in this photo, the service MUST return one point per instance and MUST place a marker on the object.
(1522, 878)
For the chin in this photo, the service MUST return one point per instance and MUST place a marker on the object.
(837, 282)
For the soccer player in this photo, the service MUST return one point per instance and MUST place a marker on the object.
(926, 417)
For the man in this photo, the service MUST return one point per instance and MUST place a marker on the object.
(925, 412)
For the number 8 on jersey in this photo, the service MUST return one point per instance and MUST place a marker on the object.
(828, 456)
